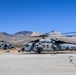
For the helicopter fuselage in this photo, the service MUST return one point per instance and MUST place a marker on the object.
(45, 45)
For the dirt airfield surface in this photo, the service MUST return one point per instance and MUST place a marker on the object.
(14, 63)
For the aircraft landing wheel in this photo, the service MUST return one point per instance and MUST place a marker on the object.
(39, 50)
(18, 50)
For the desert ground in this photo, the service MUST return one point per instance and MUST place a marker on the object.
(14, 63)
(14, 50)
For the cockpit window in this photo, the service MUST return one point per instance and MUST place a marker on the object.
(27, 45)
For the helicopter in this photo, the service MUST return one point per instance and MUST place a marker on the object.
(4, 45)
(51, 44)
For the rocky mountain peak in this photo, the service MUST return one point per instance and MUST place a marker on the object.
(22, 33)
(35, 34)
(55, 33)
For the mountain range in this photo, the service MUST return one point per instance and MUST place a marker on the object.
(21, 37)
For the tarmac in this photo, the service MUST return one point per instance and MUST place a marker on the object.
(37, 64)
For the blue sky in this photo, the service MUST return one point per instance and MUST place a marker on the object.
(37, 15)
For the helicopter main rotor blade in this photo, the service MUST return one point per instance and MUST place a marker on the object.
(69, 33)
(53, 35)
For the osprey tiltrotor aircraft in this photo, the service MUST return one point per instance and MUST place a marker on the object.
(51, 44)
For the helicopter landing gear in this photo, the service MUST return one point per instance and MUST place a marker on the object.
(39, 50)
(18, 50)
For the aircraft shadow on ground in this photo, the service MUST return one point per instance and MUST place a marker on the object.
(51, 53)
